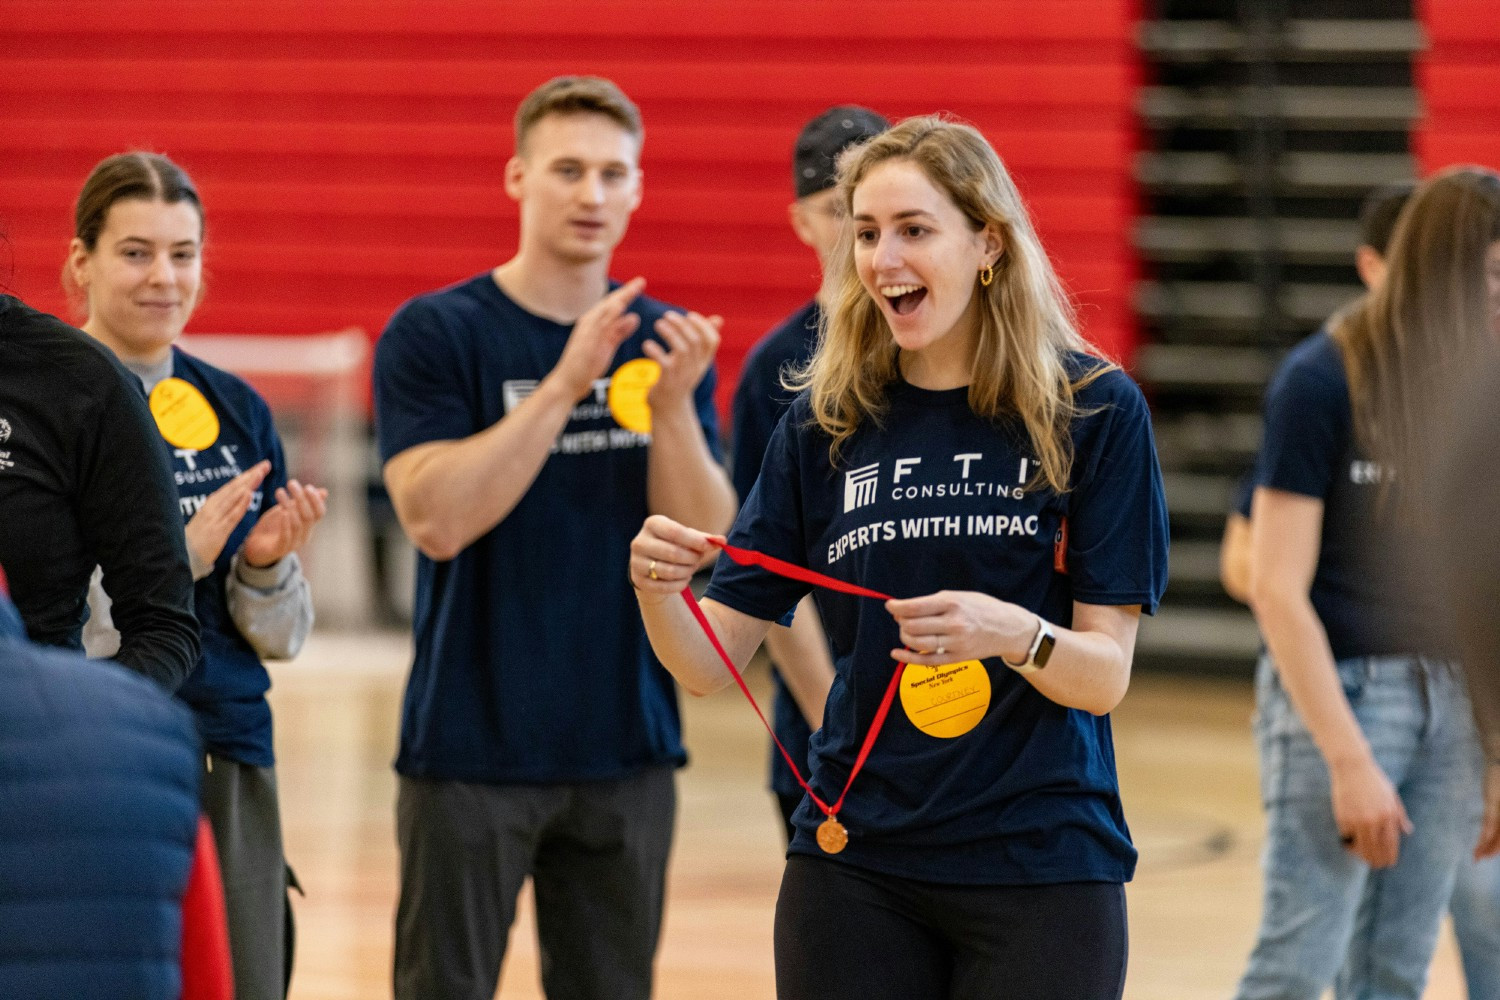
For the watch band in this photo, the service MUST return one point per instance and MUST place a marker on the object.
(1040, 651)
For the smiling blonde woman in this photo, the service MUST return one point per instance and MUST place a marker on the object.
(960, 448)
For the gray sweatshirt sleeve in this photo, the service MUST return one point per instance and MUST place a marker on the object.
(271, 606)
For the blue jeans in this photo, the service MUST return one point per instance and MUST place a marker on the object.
(1476, 923)
(1326, 915)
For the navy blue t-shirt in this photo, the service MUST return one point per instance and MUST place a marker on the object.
(1244, 491)
(1309, 448)
(531, 663)
(227, 688)
(936, 498)
(759, 402)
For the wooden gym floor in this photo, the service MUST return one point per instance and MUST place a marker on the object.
(1187, 768)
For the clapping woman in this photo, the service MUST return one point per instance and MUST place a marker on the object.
(136, 263)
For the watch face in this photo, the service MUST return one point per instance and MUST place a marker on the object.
(1044, 650)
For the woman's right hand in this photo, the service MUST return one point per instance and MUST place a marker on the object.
(1368, 812)
(664, 556)
(221, 513)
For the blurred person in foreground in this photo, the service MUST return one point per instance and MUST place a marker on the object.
(86, 483)
(1466, 502)
(1475, 903)
(1371, 774)
(111, 881)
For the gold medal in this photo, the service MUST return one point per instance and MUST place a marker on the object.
(832, 836)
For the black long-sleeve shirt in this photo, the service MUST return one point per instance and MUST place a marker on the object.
(85, 480)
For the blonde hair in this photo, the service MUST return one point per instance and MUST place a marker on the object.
(1026, 322)
(1411, 339)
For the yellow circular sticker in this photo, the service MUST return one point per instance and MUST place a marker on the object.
(183, 416)
(627, 394)
(945, 701)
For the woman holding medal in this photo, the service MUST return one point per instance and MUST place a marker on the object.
(136, 263)
(958, 447)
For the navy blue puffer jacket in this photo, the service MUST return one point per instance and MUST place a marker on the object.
(99, 774)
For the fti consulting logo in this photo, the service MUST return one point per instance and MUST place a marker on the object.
(515, 390)
(860, 486)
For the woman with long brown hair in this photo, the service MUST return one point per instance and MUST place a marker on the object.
(958, 446)
(1370, 769)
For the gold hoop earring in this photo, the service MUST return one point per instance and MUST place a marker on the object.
(987, 275)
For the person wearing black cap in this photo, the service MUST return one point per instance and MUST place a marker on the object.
(803, 669)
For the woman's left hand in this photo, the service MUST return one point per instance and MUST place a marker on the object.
(951, 626)
(287, 526)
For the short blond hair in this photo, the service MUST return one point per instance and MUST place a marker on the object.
(577, 95)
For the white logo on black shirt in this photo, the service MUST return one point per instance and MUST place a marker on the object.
(860, 486)
(4, 430)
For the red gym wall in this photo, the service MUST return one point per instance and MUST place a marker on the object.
(350, 154)
(1459, 77)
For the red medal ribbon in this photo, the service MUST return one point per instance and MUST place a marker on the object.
(746, 557)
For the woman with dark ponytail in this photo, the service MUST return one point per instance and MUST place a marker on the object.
(136, 265)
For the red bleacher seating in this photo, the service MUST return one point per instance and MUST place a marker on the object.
(350, 153)
(1459, 78)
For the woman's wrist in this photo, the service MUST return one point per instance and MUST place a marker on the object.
(1346, 759)
(1017, 649)
(649, 598)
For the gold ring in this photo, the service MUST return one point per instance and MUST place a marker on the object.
(651, 570)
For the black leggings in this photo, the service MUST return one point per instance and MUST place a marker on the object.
(788, 804)
(844, 933)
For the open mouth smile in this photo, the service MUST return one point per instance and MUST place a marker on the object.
(904, 299)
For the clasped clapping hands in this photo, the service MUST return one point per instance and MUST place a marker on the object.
(281, 530)
(691, 341)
